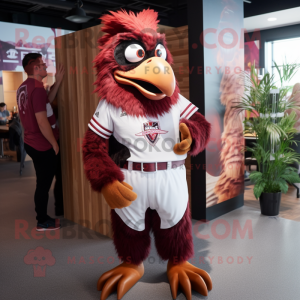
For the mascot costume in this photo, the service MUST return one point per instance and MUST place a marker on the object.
(134, 152)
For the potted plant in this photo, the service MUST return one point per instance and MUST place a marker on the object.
(274, 131)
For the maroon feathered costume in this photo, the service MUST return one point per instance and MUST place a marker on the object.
(103, 168)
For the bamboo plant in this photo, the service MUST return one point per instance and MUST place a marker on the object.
(274, 133)
(286, 72)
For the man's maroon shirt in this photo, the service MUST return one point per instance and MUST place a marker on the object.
(32, 98)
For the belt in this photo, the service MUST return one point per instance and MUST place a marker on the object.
(152, 167)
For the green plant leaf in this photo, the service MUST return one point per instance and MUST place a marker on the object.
(291, 178)
(258, 189)
(283, 185)
(288, 170)
(255, 176)
(272, 147)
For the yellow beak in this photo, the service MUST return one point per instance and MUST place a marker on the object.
(154, 78)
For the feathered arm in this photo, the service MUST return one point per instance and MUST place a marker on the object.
(200, 132)
(104, 175)
(99, 168)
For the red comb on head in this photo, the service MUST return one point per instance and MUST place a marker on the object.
(121, 21)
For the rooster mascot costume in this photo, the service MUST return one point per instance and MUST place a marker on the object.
(134, 152)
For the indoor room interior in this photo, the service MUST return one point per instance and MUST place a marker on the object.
(235, 65)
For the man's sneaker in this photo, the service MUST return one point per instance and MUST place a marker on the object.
(56, 221)
(50, 224)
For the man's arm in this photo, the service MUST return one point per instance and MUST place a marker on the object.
(46, 129)
(8, 116)
(58, 77)
(53, 91)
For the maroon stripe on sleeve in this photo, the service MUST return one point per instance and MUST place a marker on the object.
(99, 131)
(185, 109)
(193, 109)
(101, 125)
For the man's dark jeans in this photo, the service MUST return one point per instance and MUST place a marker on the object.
(45, 163)
(58, 189)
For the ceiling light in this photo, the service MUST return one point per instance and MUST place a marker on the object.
(77, 14)
(272, 19)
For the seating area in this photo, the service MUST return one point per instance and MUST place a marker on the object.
(12, 143)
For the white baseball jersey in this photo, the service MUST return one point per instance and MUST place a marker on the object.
(149, 139)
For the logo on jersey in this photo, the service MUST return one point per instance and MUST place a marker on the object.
(97, 114)
(151, 132)
(123, 113)
(22, 97)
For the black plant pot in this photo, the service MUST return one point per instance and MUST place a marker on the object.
(270, 203)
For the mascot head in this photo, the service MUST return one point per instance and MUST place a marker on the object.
(134, 65)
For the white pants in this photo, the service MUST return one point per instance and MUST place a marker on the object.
(165, 191)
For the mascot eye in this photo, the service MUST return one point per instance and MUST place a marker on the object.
(134, 53)
(160, 51)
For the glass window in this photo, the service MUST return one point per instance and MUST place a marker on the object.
(282, 51)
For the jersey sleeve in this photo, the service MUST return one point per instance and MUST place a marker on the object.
(187, 108)
(101, 122)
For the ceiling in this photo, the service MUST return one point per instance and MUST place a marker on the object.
(284, 18)
(259, 7)
(93, 8)
(49, 13)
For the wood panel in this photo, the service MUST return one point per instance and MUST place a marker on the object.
(1, 93)
(76, 105)
(10, 99)
(177, 42)
(11, 81)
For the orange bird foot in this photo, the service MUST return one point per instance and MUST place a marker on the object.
(188, 277)
(122, 278)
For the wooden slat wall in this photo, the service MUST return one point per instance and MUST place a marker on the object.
(178, 44)
(76, 105)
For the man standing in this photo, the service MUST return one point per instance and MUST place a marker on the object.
(40, 135)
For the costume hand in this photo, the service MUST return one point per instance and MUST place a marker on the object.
(60, 71)
(118, 194)
(186, 141)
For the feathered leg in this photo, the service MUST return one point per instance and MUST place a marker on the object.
(176, 245)
(132, 247)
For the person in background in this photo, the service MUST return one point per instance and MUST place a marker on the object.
(4, 114)
(40, 135)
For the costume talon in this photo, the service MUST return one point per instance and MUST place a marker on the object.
(139, 116)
